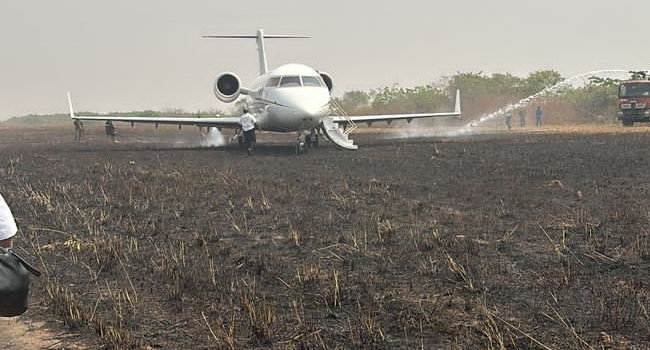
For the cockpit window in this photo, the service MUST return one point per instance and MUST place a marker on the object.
(311, 81)
(290, 81)
(273, 82)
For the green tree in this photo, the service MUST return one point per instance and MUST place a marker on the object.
(538, 81)
(354, 101)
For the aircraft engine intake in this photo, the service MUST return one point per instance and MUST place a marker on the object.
(227, 87)
(328, 80)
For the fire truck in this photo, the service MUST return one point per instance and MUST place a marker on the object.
(634, 101)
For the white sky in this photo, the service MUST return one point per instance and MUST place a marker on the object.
(125, 55)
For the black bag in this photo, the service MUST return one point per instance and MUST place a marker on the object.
(14, 283)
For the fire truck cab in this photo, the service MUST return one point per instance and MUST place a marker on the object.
(634, 101)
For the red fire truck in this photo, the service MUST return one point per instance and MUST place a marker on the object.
(634, 101)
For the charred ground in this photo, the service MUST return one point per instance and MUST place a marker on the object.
(528, 240)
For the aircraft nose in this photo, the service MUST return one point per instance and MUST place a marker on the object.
(314, 110)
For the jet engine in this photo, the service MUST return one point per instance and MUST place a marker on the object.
(328, 80)
(227, 87)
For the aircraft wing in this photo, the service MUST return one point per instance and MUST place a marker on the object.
(218, 122)
(391, 117)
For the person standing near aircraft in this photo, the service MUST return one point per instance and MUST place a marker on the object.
(108, 125)
(8, 226)
(538, 116)
(247, 122)
(522, 118)
(110, 130)
(509, 119)
(78, 129)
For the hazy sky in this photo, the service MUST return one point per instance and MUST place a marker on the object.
(148, 54)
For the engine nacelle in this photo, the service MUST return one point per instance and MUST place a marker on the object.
(227, 87)
(328, 80)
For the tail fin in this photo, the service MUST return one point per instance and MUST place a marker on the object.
(260, 44)
(70, 106)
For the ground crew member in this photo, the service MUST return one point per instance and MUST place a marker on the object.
(509, 119)
(247, 122)
(110, 130)
(78, 129)
(522, 118)
(538, 116)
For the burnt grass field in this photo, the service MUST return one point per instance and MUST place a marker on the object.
(501, 241)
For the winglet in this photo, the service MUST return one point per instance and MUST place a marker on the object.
(457, 106)
(70, 106)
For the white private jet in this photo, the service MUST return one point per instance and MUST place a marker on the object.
(290, 98)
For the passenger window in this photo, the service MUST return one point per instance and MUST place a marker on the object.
(290, 81)
(311, 81)
(273, 82)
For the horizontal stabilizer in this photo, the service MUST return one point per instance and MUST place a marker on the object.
(266, 36)
(260, 36)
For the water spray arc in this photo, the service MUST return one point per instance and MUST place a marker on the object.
(574, 81)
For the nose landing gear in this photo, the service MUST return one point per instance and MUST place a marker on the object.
(312, 139)
(301, 144)
(306, 141)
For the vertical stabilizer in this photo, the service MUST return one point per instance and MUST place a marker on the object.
(261, 52)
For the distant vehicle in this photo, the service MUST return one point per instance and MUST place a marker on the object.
(634, 101)
(290, 98)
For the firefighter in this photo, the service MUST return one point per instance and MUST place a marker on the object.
(247, 122)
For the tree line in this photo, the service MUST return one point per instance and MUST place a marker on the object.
(595, 101)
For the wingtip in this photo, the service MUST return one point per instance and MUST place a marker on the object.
(70, 105)
(457, 105)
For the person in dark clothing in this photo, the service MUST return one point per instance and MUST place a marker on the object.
(522, 118)
(110, 130)
(78, 129)
(538, 116)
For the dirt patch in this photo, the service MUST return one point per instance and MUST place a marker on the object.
(516, 240)
(22, 333)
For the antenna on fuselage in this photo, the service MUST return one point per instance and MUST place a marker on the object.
(260, 44)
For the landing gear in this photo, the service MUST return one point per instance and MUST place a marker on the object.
(312, 139)
(239, 137)
(301, 144)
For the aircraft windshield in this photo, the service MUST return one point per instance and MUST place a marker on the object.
(273, 82)
(634, 90)
(311, 81)
(290, 81)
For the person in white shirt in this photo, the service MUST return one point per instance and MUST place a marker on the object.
(247, 122)
(8, 226)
